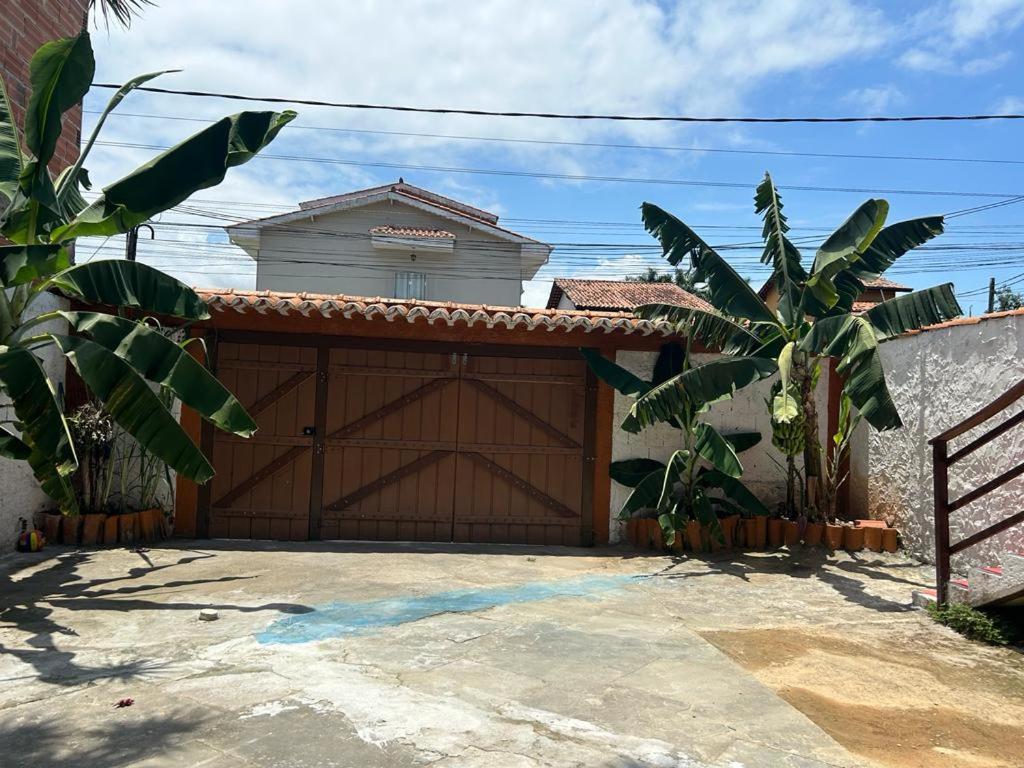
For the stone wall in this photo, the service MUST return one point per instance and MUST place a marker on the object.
(939, 377)
(745, 412)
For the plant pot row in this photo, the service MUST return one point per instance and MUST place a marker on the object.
(144, 527)
(758, 533)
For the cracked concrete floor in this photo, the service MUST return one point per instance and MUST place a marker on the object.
(389, 655)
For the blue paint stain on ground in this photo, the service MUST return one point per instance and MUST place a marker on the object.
(359, 617)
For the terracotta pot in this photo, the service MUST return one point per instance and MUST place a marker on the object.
(110, 526)
(51, 527)
(69, 528)
(677, 542)
(631, 531)
(92, 528)
(890, 539)
(729, 525)
(834, 536)
(873, 538)
(791, 533)
(813, 534)
(853, 539)
(775, 532)
(761, 531)
(750, 532)
(128, 526)
(693, 542)
(152, 525)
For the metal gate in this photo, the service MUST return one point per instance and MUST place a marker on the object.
(406, 443)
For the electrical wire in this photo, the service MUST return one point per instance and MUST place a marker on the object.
(567, 116)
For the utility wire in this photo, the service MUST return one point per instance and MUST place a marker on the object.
(586, 177)
(599, 145)
(565, 116)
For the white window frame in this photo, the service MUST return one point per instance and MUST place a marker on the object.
(410, 285)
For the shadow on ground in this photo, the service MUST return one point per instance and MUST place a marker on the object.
(29, 605)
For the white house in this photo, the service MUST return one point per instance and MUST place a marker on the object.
(396, 241)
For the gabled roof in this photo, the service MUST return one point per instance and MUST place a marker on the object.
(620, 295)
(246, 233)
(878, 284)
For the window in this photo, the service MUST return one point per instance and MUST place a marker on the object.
(410, 285)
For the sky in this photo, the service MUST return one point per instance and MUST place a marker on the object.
(684, 57)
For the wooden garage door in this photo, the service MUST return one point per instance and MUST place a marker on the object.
(408, 444)
(262, 486)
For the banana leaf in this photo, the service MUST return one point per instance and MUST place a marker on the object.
(732, 488)
(842, 248)
(717, 450)
(644, 496)
(131, 284)
(11, 446)
(21, 264)
(698, 387)
(199, 162)
(160, 360)
(742, 441)
(615, 376)
(784, 257)
(11, 158)
(61, 72)
(629, 472)
(730, 293)
(913, 310)
(132, 403)
(710, 328)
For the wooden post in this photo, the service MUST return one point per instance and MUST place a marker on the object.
(940, 477)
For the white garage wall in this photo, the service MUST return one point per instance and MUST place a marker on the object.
(20, 495)
(938, 378)
(745, 412)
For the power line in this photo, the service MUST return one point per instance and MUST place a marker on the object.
(587, 177)
(601, 145)
(565, 116)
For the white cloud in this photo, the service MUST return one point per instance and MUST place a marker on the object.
(875, 100)
(1009, 105)
(952, 32)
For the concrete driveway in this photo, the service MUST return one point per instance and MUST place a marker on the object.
(392, 655)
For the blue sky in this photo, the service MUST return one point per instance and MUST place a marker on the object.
(789, 57)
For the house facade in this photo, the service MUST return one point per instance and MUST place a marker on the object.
(394, 241)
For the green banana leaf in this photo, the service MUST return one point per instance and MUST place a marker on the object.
(730, 293)
(132, 403)
(852, 340)
(705, 515)
(842, 248)
(671, 361)
(891, 243)
(644, 496)
(199, 162)
(11, 446)
(784, 257)
(742, 441)
(61, 72)
(133, 284)
(710, 328)
(717, 450)
(11, 158)
(629, 472)
(21, 264)
(615, 376)
(733, 489)
(160, 360)
(43, 428)
(674, 470)
(913, 310)
(698, 387)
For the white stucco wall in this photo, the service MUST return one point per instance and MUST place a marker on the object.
(938, 378)
(745, 412)
(20, 495)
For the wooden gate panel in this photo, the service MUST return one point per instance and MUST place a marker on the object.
(389, 466)
(520, 463)
(262, 485)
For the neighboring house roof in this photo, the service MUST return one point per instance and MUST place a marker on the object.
(620, 294)
(247, 233)
(385, 229)
(430, 312)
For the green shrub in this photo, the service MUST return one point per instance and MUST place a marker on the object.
(970, 622)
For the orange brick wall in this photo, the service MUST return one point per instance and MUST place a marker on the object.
(24, 26)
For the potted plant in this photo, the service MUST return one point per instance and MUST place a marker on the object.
(93, 433)
(834, 475)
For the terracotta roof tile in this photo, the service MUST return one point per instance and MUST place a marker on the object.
(384, 229)
(884, 282)
(973, 320)
(431, 312)
(620, 294)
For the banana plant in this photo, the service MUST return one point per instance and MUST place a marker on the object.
(120, 357)
(702, 476)
(813, 318)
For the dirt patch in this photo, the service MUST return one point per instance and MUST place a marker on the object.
(923, 701)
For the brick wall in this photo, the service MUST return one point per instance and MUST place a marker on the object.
(24, 26)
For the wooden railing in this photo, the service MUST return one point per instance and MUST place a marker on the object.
(942, 460)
